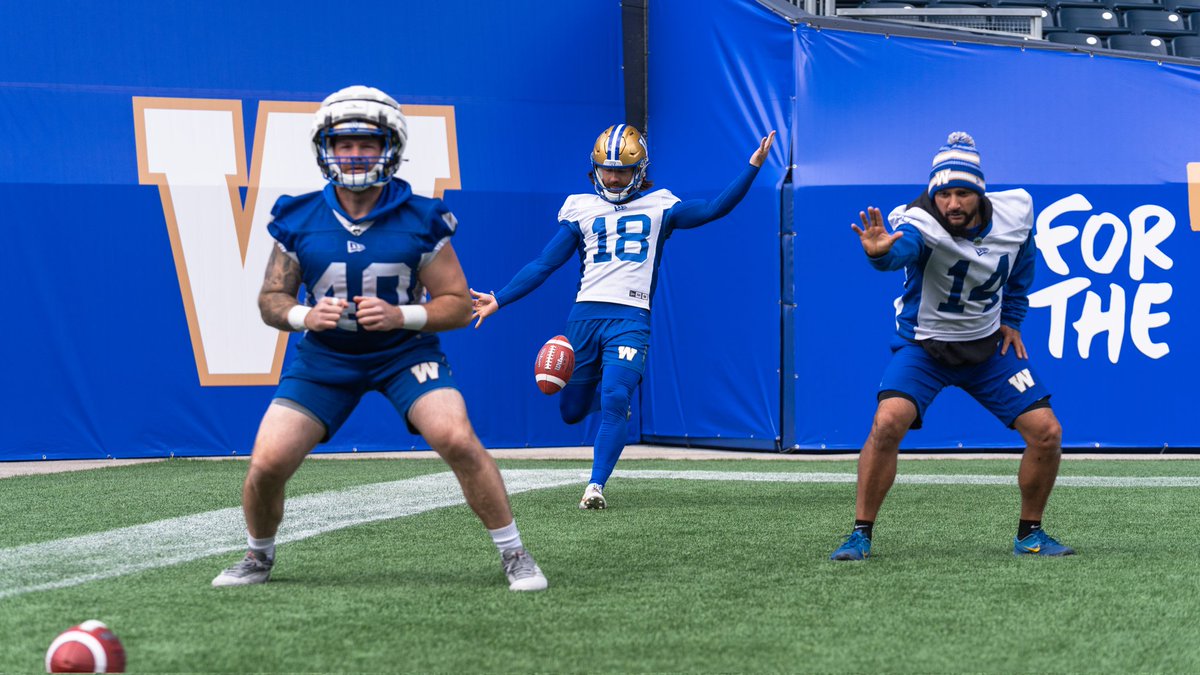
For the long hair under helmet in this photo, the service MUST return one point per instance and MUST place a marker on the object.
(359, 111)
(619, 147)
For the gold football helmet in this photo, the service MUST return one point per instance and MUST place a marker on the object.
(619, 147)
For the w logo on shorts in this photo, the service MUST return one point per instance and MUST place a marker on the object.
(1022, 380)
(626, 353)
(425, 371)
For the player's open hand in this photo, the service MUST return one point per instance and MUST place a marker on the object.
(876, 240)
(376, 314)
(760, 155)
(1012, 337)
(325, 314)
(483, 305)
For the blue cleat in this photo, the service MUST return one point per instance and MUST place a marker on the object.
(856, 547)
(1040, 543)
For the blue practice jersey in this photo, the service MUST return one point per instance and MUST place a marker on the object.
(379, 256)
(962, 288)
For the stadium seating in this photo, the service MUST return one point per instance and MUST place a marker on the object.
(1136, 4)
(1156, 22)
(1084, 39)
(1050, 23)
(1084, 4)
(1098, 21)
(1145, 44)
(1181, 6)
(1164, 27)
(1187, 45)
(1047, 5)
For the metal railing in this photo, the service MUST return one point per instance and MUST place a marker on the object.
(1024, 22)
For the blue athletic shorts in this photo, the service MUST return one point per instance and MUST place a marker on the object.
(329, 384)
(1005, 385)
(606, 342)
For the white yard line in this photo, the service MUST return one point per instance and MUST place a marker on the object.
(104, 555)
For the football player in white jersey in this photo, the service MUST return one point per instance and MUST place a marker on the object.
(618, 233)
(368, 250)
(969, 259)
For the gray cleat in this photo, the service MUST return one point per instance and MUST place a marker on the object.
(250, 570)
(522, 572)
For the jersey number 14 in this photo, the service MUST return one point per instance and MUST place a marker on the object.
(988, 290)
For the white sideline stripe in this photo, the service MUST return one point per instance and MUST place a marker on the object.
(77, 560)
(69, 562)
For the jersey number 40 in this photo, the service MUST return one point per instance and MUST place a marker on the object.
(394, 276)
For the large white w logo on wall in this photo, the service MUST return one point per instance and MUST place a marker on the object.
(194, 150)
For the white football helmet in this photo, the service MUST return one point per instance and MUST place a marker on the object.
(619, 147)
(359, 111)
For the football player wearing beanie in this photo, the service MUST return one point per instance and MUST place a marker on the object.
(968, 259)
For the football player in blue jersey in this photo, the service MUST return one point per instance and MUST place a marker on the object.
(968, 257)
(369, 251)
(618, 232)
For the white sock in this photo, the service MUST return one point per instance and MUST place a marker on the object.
(266, 545)
(507, 538)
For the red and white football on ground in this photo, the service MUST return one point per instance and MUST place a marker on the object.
(555, 363)
(89, 647)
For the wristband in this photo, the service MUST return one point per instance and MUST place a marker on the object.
(415, 316)
(295, 317)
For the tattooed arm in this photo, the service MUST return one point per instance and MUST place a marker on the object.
(277, 299)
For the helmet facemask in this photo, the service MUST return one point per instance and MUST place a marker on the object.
(357, 172)
(357, 112)
(619, 147)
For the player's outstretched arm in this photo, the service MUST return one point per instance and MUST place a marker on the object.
(760, 155)
(277, 299)
(483, 305)
(449, 305)
(696, 212)
(875, 238)
(558, 251)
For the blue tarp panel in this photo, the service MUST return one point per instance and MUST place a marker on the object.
(99, 356)
(720, 79)
(1094, 141)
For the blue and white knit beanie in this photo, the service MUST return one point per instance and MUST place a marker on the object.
(956, 164)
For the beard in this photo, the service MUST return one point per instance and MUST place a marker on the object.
(964, 218)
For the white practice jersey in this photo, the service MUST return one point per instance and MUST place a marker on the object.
(955, 287)
(621, 245)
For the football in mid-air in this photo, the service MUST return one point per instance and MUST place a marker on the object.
(89, 647)
(555, 363)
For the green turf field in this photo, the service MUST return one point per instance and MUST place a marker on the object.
(678, 575)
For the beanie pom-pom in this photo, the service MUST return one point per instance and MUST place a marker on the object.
(960, 138)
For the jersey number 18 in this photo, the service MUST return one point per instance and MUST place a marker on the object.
(624, 239)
